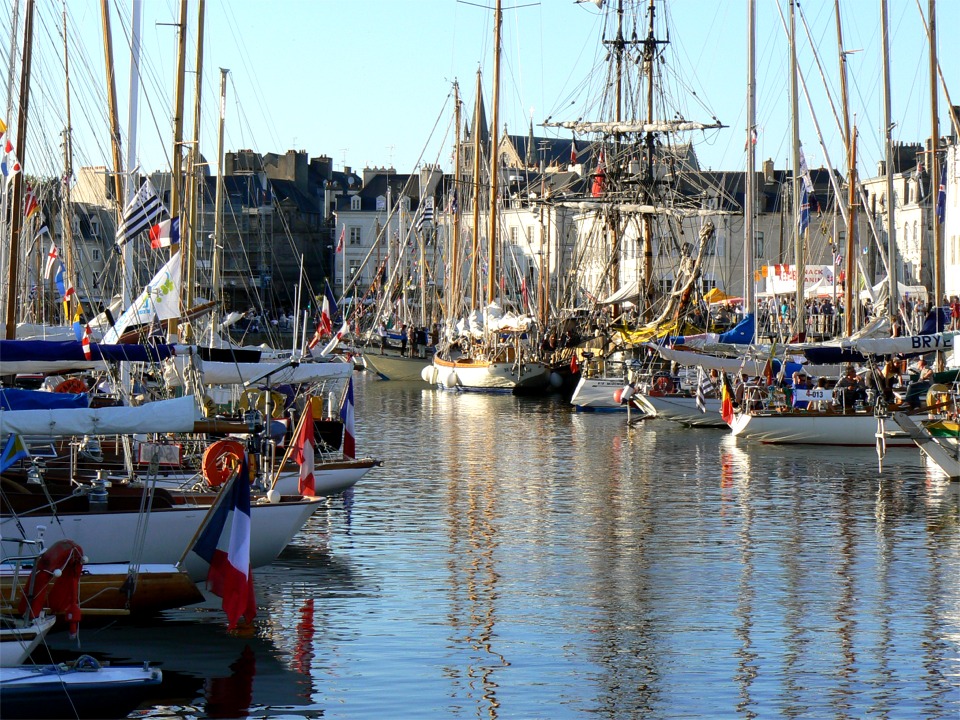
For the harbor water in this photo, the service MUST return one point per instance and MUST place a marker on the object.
(515, 559)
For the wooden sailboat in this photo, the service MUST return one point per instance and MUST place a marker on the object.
(494, 357)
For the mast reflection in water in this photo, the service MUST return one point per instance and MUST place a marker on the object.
(514, 559)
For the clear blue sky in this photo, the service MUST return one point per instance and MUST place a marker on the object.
(368, 82)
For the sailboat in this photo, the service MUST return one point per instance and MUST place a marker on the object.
(489, 350)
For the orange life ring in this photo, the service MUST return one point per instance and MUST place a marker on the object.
(661, 386)
(71, 385)
(221, 460)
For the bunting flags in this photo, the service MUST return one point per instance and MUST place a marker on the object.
(85, 342)
(165, 234)
(30, 204)
(942, 194)
(347, 415)
(304, 451)
(225, 544)
(53, 255)
(13, 451)
(143, 210)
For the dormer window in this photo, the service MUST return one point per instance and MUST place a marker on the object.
(355, 202)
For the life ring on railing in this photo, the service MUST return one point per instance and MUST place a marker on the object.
(257, 399)
(71, 385)
(221, 460)
(662, 385)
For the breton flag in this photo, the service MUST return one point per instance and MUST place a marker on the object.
(343, 231)
(225, 544)
(704, 388)
(304, 447)
(165, 234)
(426, 213)
(14, 450)
(143, 210)
(349, 431)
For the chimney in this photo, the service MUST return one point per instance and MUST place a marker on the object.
(768, 176)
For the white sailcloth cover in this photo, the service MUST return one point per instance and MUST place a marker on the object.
(226, 373)
(161, 416)
(160, 299)
(712, 362)
(910, 344)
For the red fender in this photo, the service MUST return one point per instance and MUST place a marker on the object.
(55, 583)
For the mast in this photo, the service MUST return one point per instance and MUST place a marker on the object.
(850, 138)
(649, 54)
(749, 201)
(189, 228)
(16, 215)
(801, 271)
(112, 105)
(492, 272)
(66, 214)
(475, 269)
(935, 164)
(892, 302)
(177, 164)
(454, 280)
(218, 210)
(132, 127)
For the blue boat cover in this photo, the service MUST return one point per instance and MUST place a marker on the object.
(72, 351)
(741, 333)
(16, 399)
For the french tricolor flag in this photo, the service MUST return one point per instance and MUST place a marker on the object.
(225, 544)
(165, 234)
(349, 431)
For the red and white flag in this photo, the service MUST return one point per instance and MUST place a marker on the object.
(349, 432)
(326, 322)
(335, 340)
(52, 257)
(343, 231)
(304, 446)
(85, 342)
(225, 544)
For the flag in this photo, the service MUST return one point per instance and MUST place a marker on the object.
(597, 189)
(30, 204)
(10, 165)
(343, 231)
(3, 128)
(85, 342)
(804, 210)
(942, 194)
(14, 450)
(304, 450)
(160, 299)
(165, 234)
(326, 321)
(426, 213)
(53, 255)
(752, 139)
(329, 297)
(225, 544)
(63, 286)
(346, 414)
(574, 365)
(726, 399)
(335, 340)
(704, 388)
(140, 213)
(78, 323)
(805, 172)
(838, 260)
(453, 202)
(573, 151)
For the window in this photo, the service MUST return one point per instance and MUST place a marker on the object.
(513, 235)
(355, 202)
(355, 235)
(758, 245)
(95, 253)
(708, 284)
(354, 267)
(666, 285)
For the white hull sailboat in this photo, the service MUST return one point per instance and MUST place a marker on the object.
(682, 409)
(107, 537)
(392, 366)
(815, 428)
(489, 376)
(19, 638)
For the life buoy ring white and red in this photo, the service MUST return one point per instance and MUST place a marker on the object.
(221, 460)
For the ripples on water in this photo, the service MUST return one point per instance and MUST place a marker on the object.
(513, 559)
